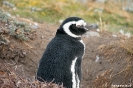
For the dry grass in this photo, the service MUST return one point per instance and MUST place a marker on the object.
(112, 8)
(111, 51)
(120, 51)
(8, 79)
(103, 80)
(102, 25)
(127, 44)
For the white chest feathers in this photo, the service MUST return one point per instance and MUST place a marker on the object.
(75, 78)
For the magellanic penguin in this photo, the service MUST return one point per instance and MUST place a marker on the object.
(61, 61)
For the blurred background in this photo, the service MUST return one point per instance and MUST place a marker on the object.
(112, 15)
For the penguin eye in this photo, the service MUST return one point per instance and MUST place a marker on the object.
(79, 26)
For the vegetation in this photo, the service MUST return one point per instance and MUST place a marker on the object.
(8, 79)
(53, 11)
(18, 29)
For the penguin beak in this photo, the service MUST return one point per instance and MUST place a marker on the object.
(83, 27)
(91, 26)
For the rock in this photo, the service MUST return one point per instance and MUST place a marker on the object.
(92, 33)
(7, 3)
(128, 7)
(42, 37)
(35, 9)
(91, 26)
(98, 30)
(101, 1)
(114, 35)
(128, 34)
(34, 26)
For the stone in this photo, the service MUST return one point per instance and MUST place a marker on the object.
(92, 33)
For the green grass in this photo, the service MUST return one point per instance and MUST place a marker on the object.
(52, 11)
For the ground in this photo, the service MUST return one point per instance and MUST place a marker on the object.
(105, 62)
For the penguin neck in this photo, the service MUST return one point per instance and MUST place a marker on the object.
(63, 33)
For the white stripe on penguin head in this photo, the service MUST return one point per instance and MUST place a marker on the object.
(67, 25)
(81, 22)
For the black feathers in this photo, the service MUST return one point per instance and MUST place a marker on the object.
(56, 61)
(61, 61)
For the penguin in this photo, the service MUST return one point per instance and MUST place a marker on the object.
(61, 61)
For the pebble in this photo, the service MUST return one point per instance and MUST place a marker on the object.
(114, 35)
(35, 27)
(42, 37)
(97, 58)
(98, 30)
(24, 52)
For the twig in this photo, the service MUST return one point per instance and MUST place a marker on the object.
(28, 45)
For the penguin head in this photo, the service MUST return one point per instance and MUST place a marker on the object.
(74, 27)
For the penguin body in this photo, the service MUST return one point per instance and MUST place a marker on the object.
(61, 61)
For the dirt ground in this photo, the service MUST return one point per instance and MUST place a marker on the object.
(101, 65)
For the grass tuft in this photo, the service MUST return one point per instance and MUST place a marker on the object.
(13, 27)
(127, 45)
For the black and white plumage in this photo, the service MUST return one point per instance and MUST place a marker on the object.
(61, 61)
